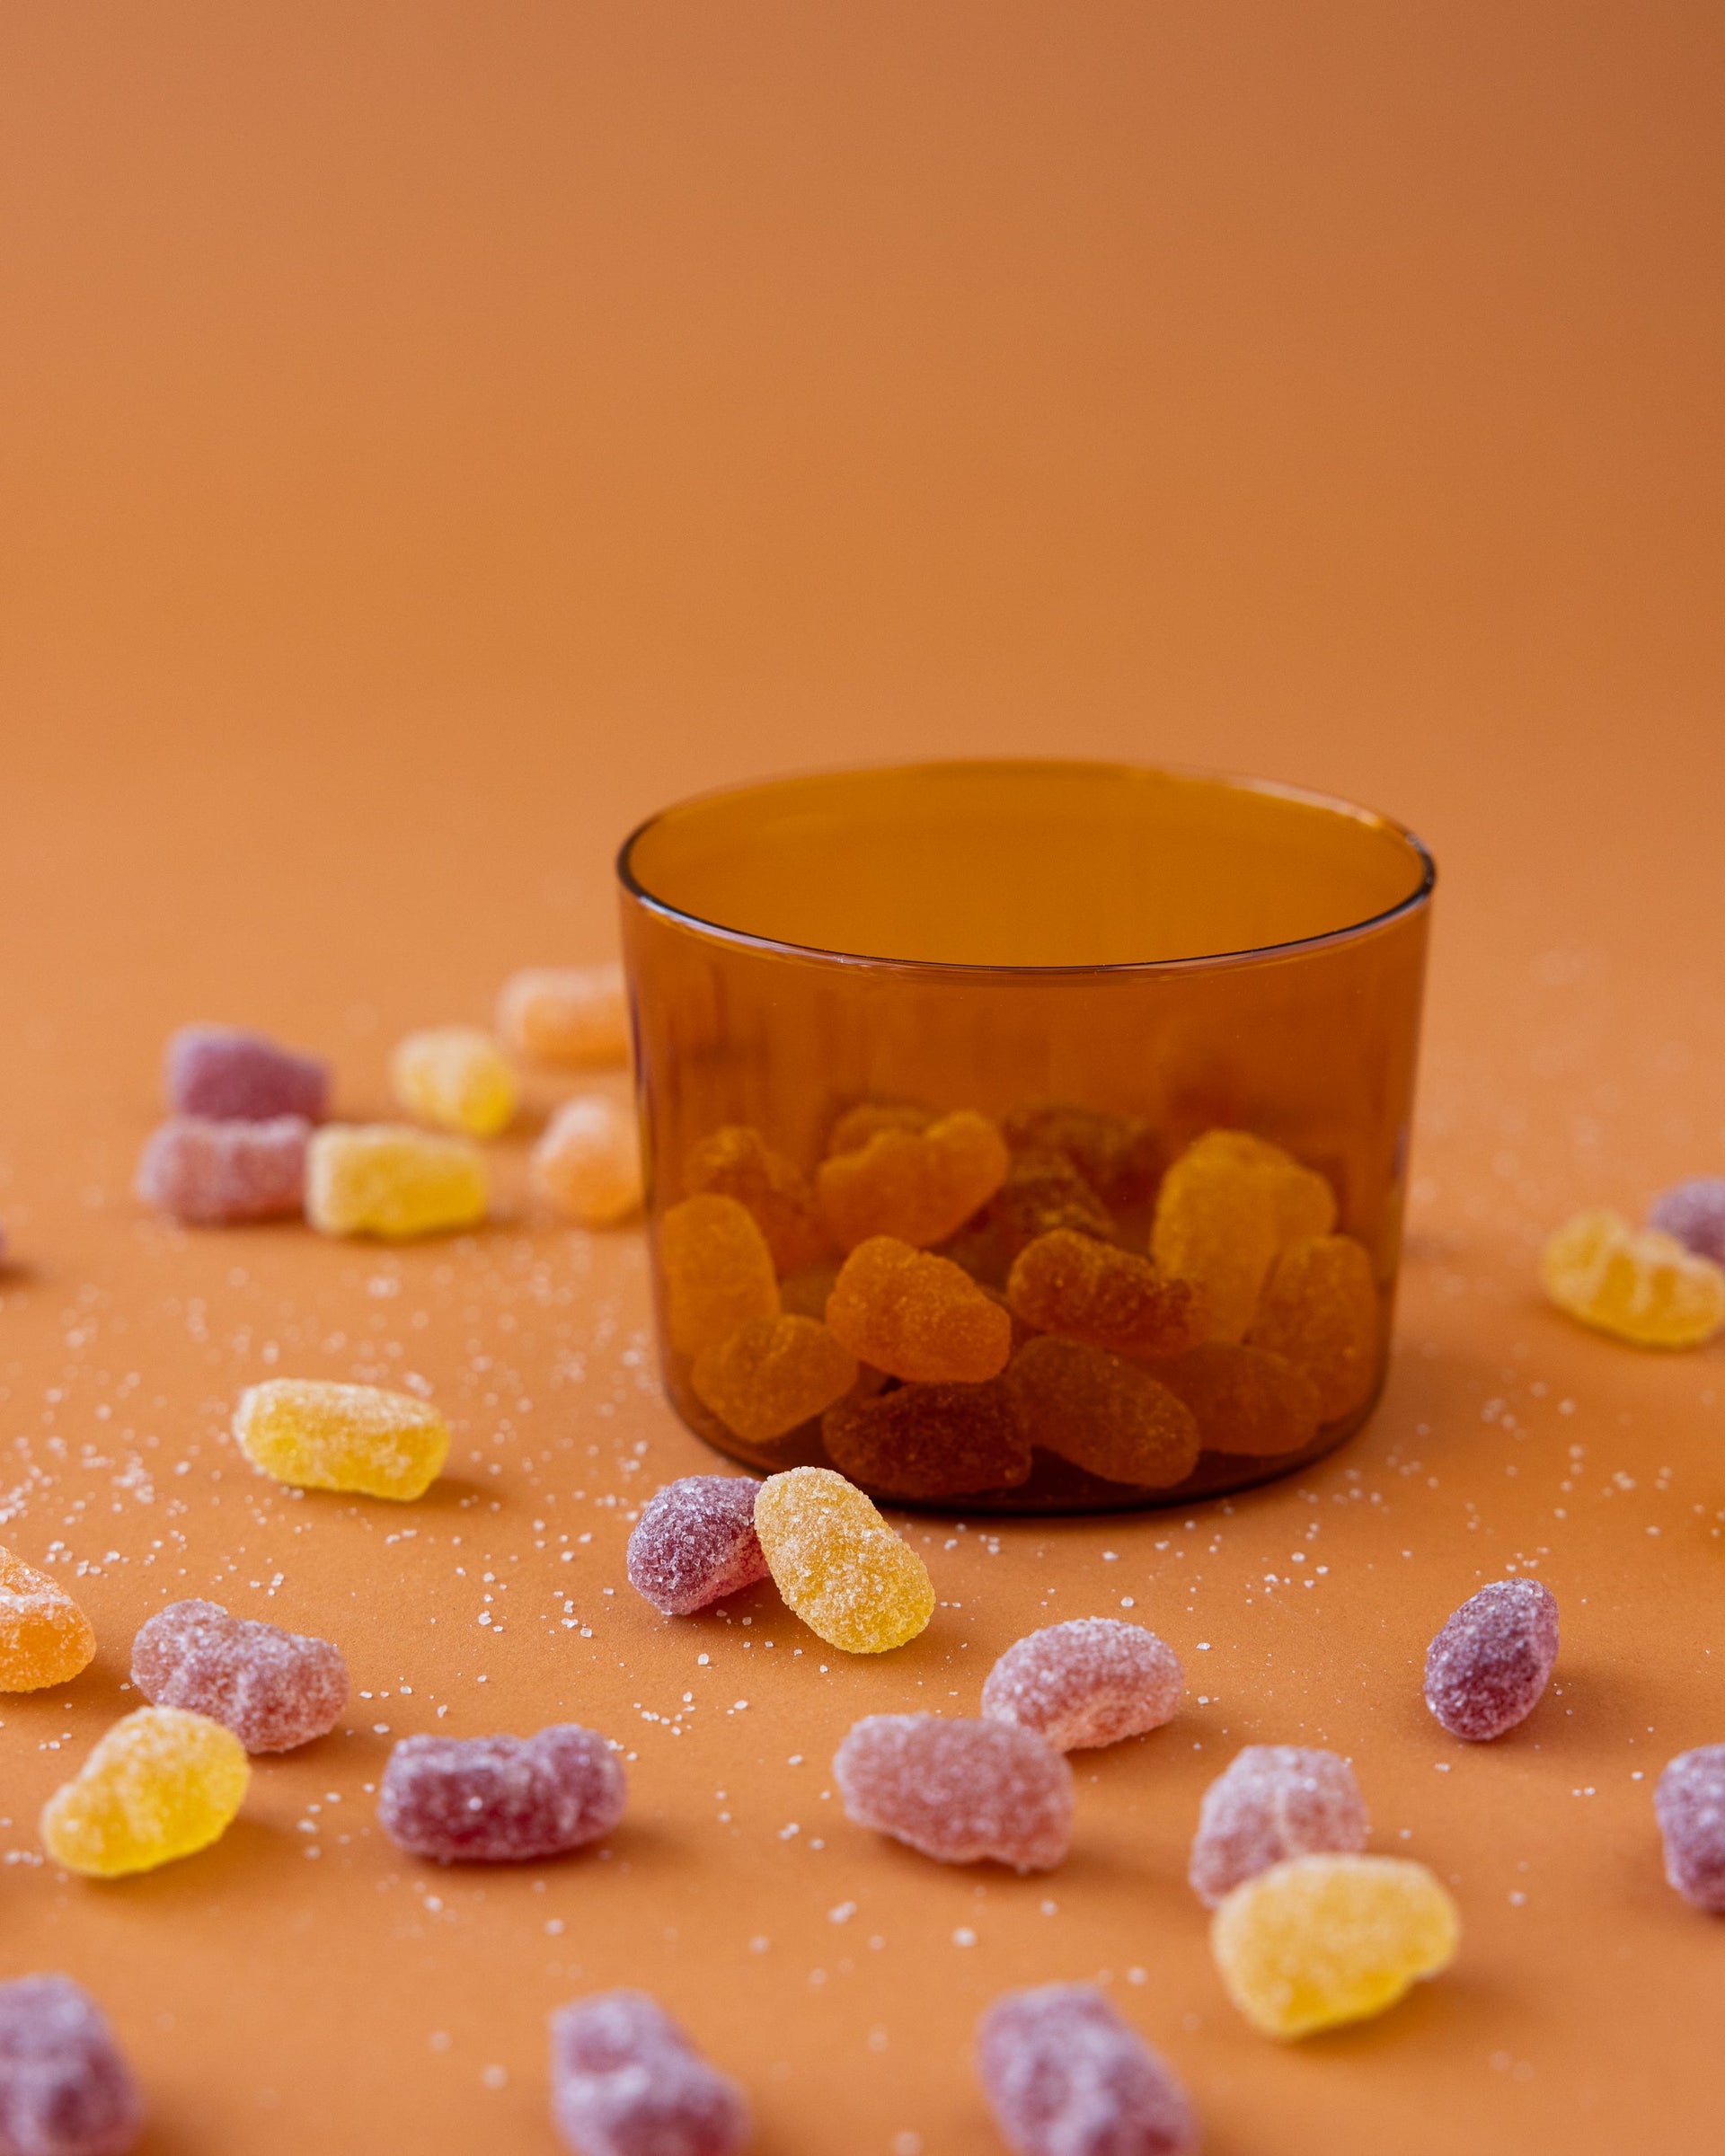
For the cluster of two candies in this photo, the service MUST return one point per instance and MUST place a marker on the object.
(1662, 1285)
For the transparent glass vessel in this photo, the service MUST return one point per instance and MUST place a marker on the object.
(1106, 967)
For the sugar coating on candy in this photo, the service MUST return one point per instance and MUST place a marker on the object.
(772, 1374)
(1246, 1400)
(225, 1074)
(918, 1186)
(45, 1638)
(1090, 1681)
(1689, 1804)
(1043, 1191)
(920, 1317)
(716, 1271)
(1274, 1802)
(1638, 1284)
(161, 1784)
(391, 1181)
(626, 2080)
(317, 1434)
(695, 1542)
(1319, 1310)
(1225, 1208)
(1102, 1413)
(838, 1565)
(1121, 1157)
(929, 1441)
(576, 1016)
(1694, 1214)
(1324, 1940)
(869, 1118)
(1488, 1667)
(587, 1162)
(501, 1799)
(455, 1077)
(218, 1174)
(65, 2089)
(273, 1688)
(1090, 1291)
(1065, 2076)
(958, 1789)
(737, 1162)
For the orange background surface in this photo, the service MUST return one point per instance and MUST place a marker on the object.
(435, 435)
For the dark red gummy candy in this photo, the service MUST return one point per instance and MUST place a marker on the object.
(1690, 1806)
(64, 2089)
(1486, 1669)
(627, 2081)
(502, 1799)
(228, 1074)
(695, 1542)
(1065, 2076)
(273, 1688)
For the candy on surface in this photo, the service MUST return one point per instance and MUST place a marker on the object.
(869, 1118)
(65, 2089)
(1638, 1284)
(838, 1565)
(273, 1688)
(918, 1186)
(45, 1638)
(225, 1074)
(957, 1789)
(1090, 1681)
(1489, 1665)
(161, 1784)
(1274, 1802)
(1121, 1157)
(501, 1799)
(318, 1435)
(1225, 1208)
(392, 1180)
(1090, 1291)
(1694, 1214)
(216, 1174)
(920, 1317)
(929, 1441)
(1043, 1191)
(588, 1160)
(626, 2080)
(574, 1015)
(737, 1162)
(771, 1374)
(716, 1269)
(1102, 1413)
(1065, 2076)
(1689, 1804)
(695, 1542)
(1323, 1940)
(455, 1077)
(1319, 1312)
(1246, 1400)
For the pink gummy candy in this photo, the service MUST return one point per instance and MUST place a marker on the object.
(1487, 1667)
(1690, 1807)
(1275, 1801)
(1092, 1680)
(627, 2081)
(217, 1174)
(64, 2087)
(273, 1688)
(233, 1077)
(695, 1542)
(1695, 1213)
(1065, 2076)
(501, 1799)
(959, 1791)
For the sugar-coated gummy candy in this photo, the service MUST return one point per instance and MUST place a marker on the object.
(161, 1784)
(318, 1435)
(1090, 1681)
(220, 1174)
(65, 2089)
(919, 1186)
(1637, 1285)
(392, 1180)
(920, 1317)
(626, 2080)
(1323, 1940)
(958, 1789)
(1103, 1413)
(717, 1271)
(1121, 1157)
(869, 1118)
(455, 1077)
(1274, 1802)
(1065, 2075)
(737, 1162)
(588, 1160)
(929, 1441)
(1246, 1400)
(501, 1799)
(225, 1074)
(1090, 1291)
(1225, 1208)
(1489, 1665)
(838, 1565)
(1689, 1804)
(771, 1374)
(1693, 1213)
(1319, 1312)
(695, 1542)
(45, 1638)
(1043, 1192)
(273, 1688)
(576, 1016)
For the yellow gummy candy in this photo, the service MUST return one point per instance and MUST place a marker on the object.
(45, 1638)
(319, 1435)
(851, 1579)
(162, 1784)
(456, 1077)
(1318, 1940)
(1226, 1207)
(716, 1269)
(1634, 1283)
(388, 1180)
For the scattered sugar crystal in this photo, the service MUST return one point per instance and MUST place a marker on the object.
(501, 1799)
(1065, 2076)
(1092, 1680)
(214, 1173)
(1486, 1669)
(695, 1542)
(230, 1076)
(64, 2087)
(626, 2080)
(959, 1791)
(1689, 1804)
(1275, 1801)
(273, 1688)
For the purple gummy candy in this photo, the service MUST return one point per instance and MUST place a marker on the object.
(695, 1542)
(220, 1173)
(1690, 1806)
(501, 1799)
(627, 2081)
(233, 1076)
(272, 1689)
(64, 2089)
(959, 1791)
(1275, 1801)
(1695, 1213)
(1487, 1667)
(1090, 1681)
(1065, 2076)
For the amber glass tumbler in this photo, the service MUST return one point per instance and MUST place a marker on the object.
(1107, 1013)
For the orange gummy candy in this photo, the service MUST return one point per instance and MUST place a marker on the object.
(920, 1186)
(1247, 1401)
(737, 1162)
(1091, 1291)
(1121, 1157)
(717, 1271)
(1319, 1309)
(45, 1638)
(1102, 1413)
(921, 1318)
(1044, 1191)
(868, 1119)
(771, 1374)
(929, 1441)
(1226, 1207)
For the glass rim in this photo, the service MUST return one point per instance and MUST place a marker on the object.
(818, 954)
